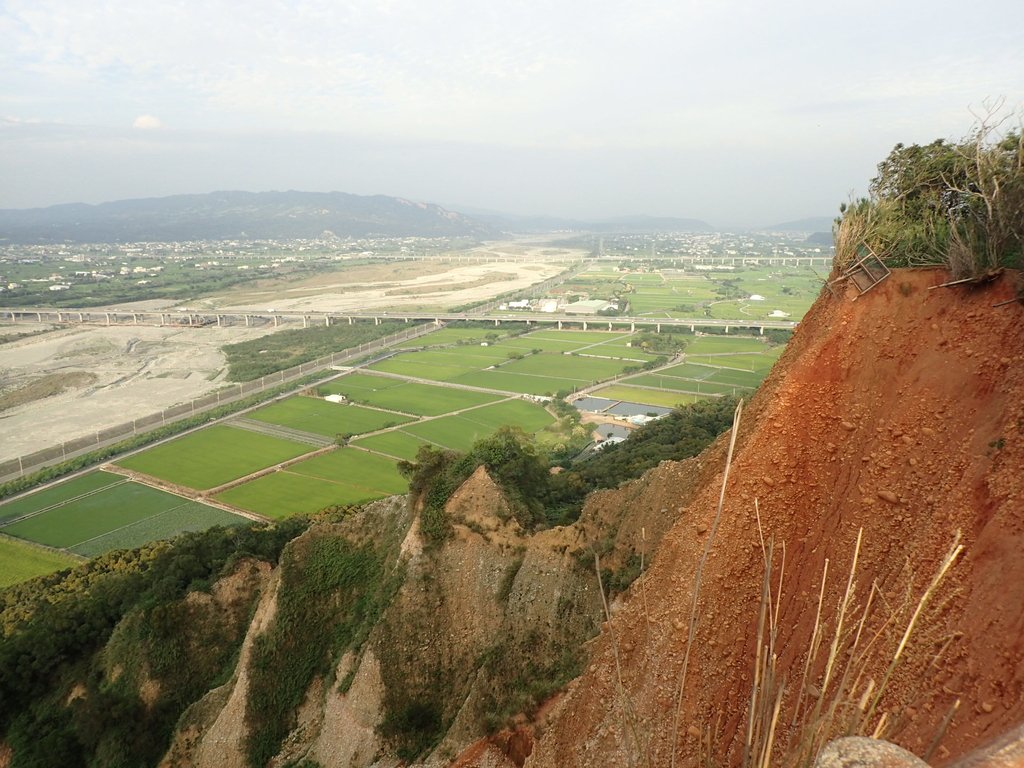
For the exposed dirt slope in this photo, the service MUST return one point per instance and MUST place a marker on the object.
(900, 413)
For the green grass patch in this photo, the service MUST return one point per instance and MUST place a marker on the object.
(521, 383)
(20, 561)
(119, 516)
(761, 363)
(186, 517)
(426, 365)
(737, 378)
(412, 397)
(321, 417)
(710, 345)
(58, 494)
(396, 443)
(363, 382)
(676, 384)
(213, 456)
(688, 371)
(351, 466)
(284, 494)
(645, 396)
(460, 432)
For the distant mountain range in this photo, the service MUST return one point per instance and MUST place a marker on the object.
(284, 215)
(236, 215)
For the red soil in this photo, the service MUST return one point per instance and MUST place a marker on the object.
(900, 413)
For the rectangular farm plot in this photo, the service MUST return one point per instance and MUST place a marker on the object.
(345, 476)
(676, 384)
(748, 362)
(461, 431)
(58, 494)
(566, 366)
(527, 384)
(529, 416)
(213, 456)
(354, 467)
(413, 397)
(646, 396)
(427, 365)
(448, 336)
(284, 494)
(709, 345)
(358, 382)
(395, 443)
(321, 417)
(20, 561)
(123, 515)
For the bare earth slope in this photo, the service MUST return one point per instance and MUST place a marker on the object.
(900, 413)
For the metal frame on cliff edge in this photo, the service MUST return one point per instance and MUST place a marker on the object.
(867, 272)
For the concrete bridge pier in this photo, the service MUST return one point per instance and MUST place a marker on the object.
(305, 321)
(584, 325)
(496, 322)
(220, 321)
(762, 330)
(248, 321)
(632, 327)
(727, 329)
(108, 317)
(59, 318)
(277, 321)
(39, 317)
(350, 320)
(327, 320)
(609, 326)
(80, 317)
(376, 321)
(692, 330)
(657, 328)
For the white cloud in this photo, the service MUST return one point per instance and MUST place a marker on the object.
(147, 122)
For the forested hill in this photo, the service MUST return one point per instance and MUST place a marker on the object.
(236, 215)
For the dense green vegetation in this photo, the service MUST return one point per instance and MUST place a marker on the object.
(332, 593)
(959, 204)
(541, 498)
(54, 627)
(248, 360)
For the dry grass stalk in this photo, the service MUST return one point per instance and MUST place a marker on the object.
(698, 578)
(847, 696)
(630, 721)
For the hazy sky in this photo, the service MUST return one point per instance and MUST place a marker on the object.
(734, 112)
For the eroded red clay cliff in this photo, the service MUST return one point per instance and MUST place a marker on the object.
(900, 413)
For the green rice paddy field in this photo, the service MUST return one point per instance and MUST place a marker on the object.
(311, 414)
(343, 476)
(646, 396)
(461, 431)
(511, 366)
(20, 561)
(213, 456)
(102, 511)
(406, 396)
